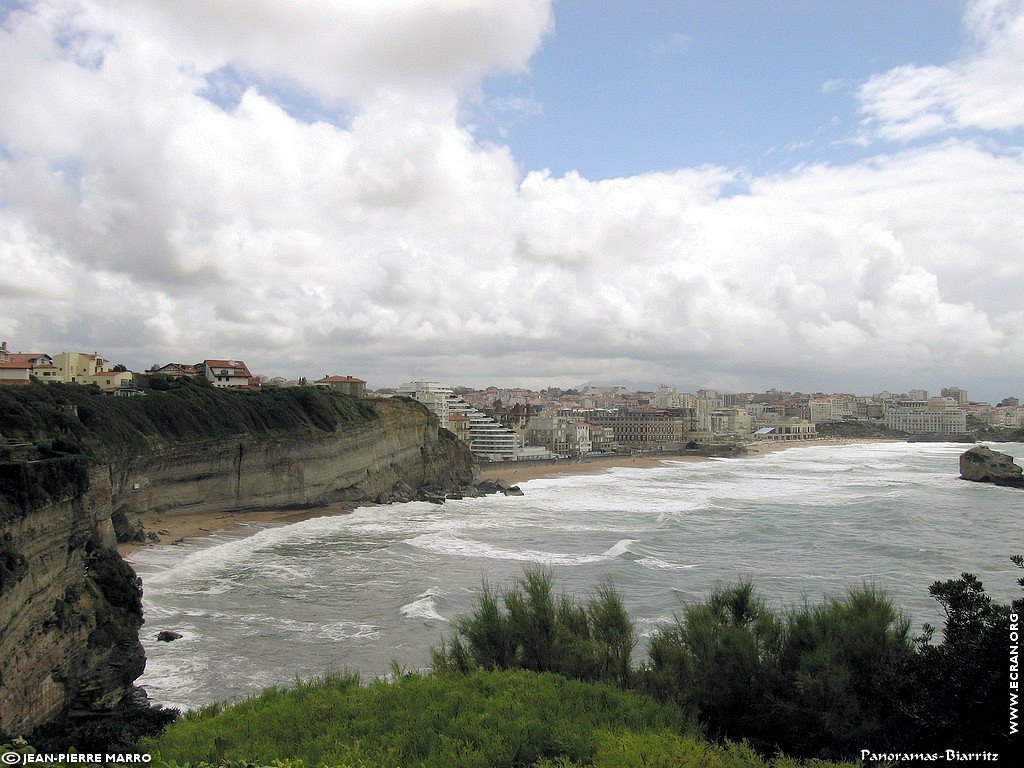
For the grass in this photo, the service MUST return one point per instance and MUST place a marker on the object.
(485, 719)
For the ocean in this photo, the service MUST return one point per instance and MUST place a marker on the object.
(275, 602)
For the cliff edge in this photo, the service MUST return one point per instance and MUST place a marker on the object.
(983, 465)
(74, 466)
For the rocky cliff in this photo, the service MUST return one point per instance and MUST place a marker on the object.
(70, 608)
(983, 465)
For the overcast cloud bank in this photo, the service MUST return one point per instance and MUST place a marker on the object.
(164, 195)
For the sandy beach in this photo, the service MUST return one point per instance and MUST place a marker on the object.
(514, 473)
(175, 528)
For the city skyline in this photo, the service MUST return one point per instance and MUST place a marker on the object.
(731, 197)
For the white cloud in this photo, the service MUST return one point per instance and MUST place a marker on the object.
(981, 89)
(138, 217)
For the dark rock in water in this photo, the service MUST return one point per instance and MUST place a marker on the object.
(470, 492)
(983, 465)
(503, 485)
(487, 487)
(514, 490)
(153, 537)
(167, 636)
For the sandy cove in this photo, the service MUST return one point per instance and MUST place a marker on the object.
(175, 528)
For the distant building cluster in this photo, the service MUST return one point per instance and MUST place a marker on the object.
(20, 368)
(516, 424)
(507, 424)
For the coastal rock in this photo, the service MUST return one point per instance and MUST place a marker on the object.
(125, 528)
(487, 487)
(983, 465)
(514, 490)
(57, 605)
(168, 636)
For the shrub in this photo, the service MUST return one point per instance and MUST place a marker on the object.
(817, 681)
(527, 627)
(963, 682)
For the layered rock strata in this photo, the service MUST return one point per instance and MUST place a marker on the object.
(69, 607)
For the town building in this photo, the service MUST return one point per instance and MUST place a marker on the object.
(958, 394)
(226, 373)
(73, 367)
(937, 416)
(487, 438)
(642, 429)
(14, 373)
(347, 385)
(786, 430)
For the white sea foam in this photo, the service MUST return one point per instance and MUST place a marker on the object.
(348, 630)
(444, 544)
(789, 520)
(423, 607)
(658, 564)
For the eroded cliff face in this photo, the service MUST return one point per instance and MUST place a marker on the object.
(69, 623)
(69, 617)
(355, 463)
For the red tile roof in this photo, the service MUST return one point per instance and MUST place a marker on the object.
(20, 366)
(339, 380)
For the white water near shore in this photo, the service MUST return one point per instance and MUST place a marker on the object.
(355, 591)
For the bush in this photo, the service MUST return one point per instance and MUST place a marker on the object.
(817, 681)
(527, 627)
(963, 683)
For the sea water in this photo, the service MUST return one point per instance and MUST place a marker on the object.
(354, 592)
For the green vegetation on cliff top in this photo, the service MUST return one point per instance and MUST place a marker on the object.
(69, 426)
(78, 417)
(478, 720)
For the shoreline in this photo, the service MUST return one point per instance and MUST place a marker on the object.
(521, 474)
(177, 528)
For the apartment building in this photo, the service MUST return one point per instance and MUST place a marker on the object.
(937, 416)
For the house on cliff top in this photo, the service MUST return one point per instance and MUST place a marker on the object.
(348, 385)
(226, 373)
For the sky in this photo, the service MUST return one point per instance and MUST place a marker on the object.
(734, 195)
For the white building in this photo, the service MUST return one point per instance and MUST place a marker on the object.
(226, 373)
(935, 417)
(487, 438)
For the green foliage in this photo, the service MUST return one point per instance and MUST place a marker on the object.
(715, 660)
(106, 427)
(983, 431)
(527, 627)
(842, 675)
(664, 749)
(118, 731)
(485, 719)
(817, 680)
(25, 486)
(962, 682)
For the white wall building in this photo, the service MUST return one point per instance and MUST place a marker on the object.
(487, 438)
(935, 417)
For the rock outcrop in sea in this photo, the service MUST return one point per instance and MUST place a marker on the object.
(983, 465)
